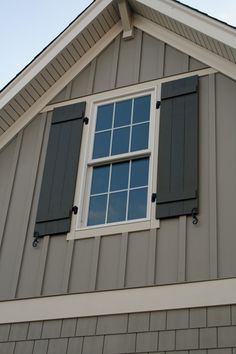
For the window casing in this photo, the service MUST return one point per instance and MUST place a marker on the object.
(117, 180)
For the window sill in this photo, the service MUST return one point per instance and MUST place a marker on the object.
(113, 229)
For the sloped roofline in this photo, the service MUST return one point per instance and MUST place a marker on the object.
(45, 48)
(195, 19)
(52, 50)
(172, 8)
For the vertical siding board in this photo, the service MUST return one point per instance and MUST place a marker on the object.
(8, 162)
(128, 70)
(20, 206)
(137, 259)
(197, 257)
(60, 97)
(104, 75)
(31, 265)
(176, 62)
(194, 64)
(109, 262)
(21, 246)
(167, 252)
(212, 179)
(81, 265)
(226, 173)
(80, 83)
(55, 266)
(152, 59)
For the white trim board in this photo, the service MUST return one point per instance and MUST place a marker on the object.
(186, 46)
(194, 19)
(41, 105)
(60, 84)
(54, 48)
(156, 298)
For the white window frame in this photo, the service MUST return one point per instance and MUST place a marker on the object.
(78, 227)
(143, 88)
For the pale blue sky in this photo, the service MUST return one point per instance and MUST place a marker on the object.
(27, 26)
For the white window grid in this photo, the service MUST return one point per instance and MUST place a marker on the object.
(89, 163)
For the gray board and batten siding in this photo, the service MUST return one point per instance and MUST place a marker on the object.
(177, 252)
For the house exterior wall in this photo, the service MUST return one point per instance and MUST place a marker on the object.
(176, 252)
(203, 330)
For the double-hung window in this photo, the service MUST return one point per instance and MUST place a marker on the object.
(119, 163)
(132, 170)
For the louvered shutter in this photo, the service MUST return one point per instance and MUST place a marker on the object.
(177, 180)
(60, 171)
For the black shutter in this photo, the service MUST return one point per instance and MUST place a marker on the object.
(60, 171)
(177, 180)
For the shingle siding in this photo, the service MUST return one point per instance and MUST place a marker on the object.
(128, 333)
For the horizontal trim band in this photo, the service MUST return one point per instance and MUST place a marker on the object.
(155, 298)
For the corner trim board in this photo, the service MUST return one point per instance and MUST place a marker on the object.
(154, 298)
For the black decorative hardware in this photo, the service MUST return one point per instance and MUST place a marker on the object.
(154, 197)
(36, 239)
(85, 120)
(74, 210)
(158, 104)
(194, 216)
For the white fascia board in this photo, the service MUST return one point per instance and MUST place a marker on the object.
(186, 46)
(49, 53)
(60, 84)
(113, 302)
(194, 19)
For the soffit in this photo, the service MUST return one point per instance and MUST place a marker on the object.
(82, 42)
(58, 66)
(185, 31)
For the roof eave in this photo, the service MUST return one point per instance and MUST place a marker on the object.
(195, 19)
(51, 51)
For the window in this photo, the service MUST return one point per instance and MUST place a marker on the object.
(124, 156)
(119, 163)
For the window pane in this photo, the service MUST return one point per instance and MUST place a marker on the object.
(123, 113)
(140, 137)
(100, 180)
(141, 109)
(117, 207)
(97, 210)
(101, 144)
(139, 173)
(104, 117)
(137, 203)
(120, 143)
(119, 176)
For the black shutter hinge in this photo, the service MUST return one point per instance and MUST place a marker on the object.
(85, 120)
(74, 210)
(37, 237)
(158, 104)
(194, 216)
(154, 197)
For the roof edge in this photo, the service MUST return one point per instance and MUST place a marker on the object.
(194, 19)
(44, 58)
